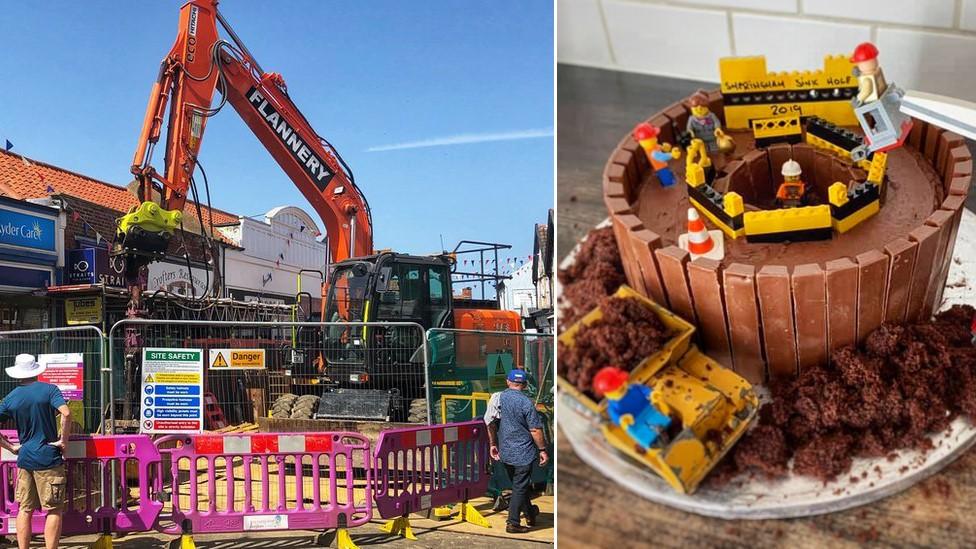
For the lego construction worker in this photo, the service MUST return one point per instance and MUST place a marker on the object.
(635, 407)
(791, 191)
(704, 125)
(658, 154)
(871, 82)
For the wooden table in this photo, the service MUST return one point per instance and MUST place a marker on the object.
(596, 108)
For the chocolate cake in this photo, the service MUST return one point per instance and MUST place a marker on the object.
(772, 309)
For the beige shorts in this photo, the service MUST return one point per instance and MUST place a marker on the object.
(43, 489)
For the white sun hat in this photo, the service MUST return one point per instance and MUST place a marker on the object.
(25, 367)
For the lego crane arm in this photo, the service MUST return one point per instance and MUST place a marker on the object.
(948, 113)
(201, 63)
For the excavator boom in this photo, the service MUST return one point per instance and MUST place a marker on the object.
(200, 63)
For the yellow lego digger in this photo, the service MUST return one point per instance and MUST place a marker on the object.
(678, 411)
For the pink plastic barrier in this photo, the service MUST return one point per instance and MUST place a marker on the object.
(120, 463)
(293, 481)
(422, 467)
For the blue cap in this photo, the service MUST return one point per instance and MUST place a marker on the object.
(517, 376)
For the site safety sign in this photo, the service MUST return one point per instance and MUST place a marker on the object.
(235, 359)
(172, 391)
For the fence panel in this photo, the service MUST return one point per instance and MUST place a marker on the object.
(303, 362)
(422, 467)
(466, 364)
(87, 401)
(469, 362)
(108, 484)
(228, 483)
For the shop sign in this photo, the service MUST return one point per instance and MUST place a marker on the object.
(26, 230)
(83, 310)
(94, 266)
(176, 278)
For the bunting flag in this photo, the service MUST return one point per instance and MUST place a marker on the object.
(49, 189)
(301, 229)
(8, 146)
(75, 216)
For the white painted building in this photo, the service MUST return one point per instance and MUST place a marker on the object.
(518, 293)
(273, 252)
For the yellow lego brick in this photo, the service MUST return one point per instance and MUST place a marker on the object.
(876, 169)
(694, 175)
(849, 222)
(748, 75)
(732, 203)
(787, 219)
(827, 146)
(764, 128)
(837, 194)
(729, 231)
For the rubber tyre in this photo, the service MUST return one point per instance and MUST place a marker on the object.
(305, 407)
(418, 411)
(282, 407)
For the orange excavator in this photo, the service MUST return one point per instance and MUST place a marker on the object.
(361, 285)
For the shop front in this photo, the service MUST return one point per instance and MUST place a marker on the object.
(31, 242)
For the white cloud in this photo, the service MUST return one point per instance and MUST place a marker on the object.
(465, 139)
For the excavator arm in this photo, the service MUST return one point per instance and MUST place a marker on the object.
(199, 64)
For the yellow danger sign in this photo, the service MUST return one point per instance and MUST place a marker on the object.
(237, 358)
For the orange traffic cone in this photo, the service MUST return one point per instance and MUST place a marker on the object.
(700, 242)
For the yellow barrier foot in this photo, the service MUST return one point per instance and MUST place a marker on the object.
(399, 526)
(344, 540)
(186, 542)
(104, 541)
(469, 514)
(443, 513)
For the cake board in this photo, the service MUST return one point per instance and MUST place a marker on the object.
(793, 496)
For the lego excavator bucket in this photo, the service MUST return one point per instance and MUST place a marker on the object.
(711, 408)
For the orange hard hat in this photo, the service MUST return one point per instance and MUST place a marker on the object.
(646, 131)
(608, 379)
(865, 51)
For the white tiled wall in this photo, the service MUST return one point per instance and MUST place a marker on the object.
(928, 45)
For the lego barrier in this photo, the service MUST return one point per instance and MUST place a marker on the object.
(267, 481)
(105, 477)
(418, 468)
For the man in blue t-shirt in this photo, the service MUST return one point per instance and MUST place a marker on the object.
(40, 466)
(516, 440)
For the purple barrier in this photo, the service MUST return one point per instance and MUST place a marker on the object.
(422, 467)
(294, 481)
(108, 478)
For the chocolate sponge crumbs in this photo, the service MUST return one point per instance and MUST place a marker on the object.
(905, 382)
(596, 273)
(628, 333)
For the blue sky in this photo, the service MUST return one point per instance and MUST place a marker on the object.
(443, 109)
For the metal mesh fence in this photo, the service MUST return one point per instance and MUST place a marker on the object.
(466, 366)
(359, 371)
(62, 350)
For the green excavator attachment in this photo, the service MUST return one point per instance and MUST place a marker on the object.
(146, 230)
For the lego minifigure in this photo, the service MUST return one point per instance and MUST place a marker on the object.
(657, 154)
(871, 83)
(791, 192)
(635, 407)
(704, 125)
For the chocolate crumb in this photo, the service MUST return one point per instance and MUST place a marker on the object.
(903, 383)
(572, 198)
(596, 273)
(627, 334)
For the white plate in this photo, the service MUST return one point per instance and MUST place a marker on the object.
(793, 496)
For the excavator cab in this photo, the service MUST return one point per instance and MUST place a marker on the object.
(378, 369)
